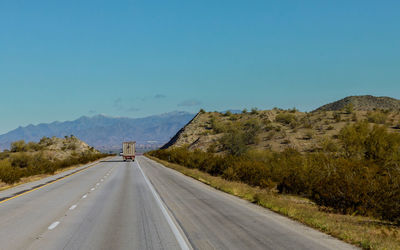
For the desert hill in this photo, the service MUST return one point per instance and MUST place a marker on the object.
(53, 148)
(364, 103)
(279, 129)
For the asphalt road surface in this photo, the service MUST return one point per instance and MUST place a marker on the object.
(142, 205)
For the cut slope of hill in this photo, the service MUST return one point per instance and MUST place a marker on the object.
(275, 129)
(364, 103)
(103, 132)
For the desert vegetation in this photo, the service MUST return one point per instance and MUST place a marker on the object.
(360, 176)
(45, 157)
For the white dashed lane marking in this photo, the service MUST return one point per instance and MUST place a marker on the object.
(53, 225)
(56, 223)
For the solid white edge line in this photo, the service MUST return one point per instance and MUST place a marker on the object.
(178, 235)
(53, 225)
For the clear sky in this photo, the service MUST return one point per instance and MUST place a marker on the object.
(63, 59)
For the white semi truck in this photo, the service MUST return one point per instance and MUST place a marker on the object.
(129, 150)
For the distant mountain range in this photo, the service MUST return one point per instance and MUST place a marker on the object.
(104, 132)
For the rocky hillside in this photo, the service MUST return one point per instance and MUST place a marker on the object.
(54, 148)
(364, 103)
(277, 129)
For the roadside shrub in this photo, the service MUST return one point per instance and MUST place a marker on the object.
(22, 164)
(328, 145)
(254, 111)
(353, 139)
(228, 113)
(251, 128)
(9, 174)
(285, 118)
(377, 117)
(307, 123)
(250, 172)
(18, 146)
(234, 142)
(20, 160)
(361, 141)
(219, 127)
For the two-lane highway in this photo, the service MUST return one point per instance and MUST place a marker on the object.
(144, 205)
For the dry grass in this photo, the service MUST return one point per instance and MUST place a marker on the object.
(4, 186)
(364, 232)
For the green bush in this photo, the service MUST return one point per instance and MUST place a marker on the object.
(307, 123)
(234, 142)
(251, 129)
(218, 126)
(254, 111)
(377, 117)
(9, 174)
(18, 146)
(328, 145)
(228, 113)
(285, 118)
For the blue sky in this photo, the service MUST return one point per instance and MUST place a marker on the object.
(63, 59)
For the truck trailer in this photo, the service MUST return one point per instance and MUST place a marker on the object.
(128, 150)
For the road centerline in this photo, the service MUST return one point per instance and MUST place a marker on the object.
(53, 225)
